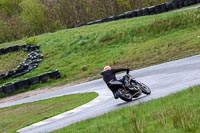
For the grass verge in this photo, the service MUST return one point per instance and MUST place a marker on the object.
(11, 60)
(80, 53)
(176, 113)
(16, 117)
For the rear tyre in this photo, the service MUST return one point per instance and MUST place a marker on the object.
(126, 96)
(145, 89)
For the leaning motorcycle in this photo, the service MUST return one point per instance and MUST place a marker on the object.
(130, 88)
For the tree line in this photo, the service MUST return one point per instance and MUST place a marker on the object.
(24, 18)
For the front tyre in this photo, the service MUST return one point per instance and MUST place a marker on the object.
(145, 89)
(126, 96)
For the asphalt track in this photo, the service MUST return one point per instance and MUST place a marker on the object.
(163, 79)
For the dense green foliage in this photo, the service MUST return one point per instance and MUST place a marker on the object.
(21, 18)
(81, 53)
(177, 113)
(16, 117)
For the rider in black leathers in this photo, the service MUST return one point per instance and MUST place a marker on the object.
(109, 75)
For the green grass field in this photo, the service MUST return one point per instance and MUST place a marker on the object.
(11, 60)
(176, 113)
(19, 116)
(81, 53)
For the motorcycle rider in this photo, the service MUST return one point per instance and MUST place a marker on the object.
(109, 75)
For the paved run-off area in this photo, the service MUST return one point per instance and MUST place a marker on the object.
(163, 79)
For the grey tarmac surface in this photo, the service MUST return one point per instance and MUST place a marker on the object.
(163, 80)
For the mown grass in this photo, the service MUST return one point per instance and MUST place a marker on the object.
(11, 60)
(19, 116)
(176, 113)
(81, 53)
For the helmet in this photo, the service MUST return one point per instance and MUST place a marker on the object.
(106, 68)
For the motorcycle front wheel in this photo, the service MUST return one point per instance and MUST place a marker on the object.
(145, 89)
(126, 96)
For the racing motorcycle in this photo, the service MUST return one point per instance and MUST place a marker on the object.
(129, 88)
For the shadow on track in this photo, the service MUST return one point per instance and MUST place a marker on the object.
(134, 100)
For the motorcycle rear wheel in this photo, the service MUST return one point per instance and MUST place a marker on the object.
(126, 96)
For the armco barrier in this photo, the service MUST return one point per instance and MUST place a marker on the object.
(9, 88)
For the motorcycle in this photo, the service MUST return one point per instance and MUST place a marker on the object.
(129, 88)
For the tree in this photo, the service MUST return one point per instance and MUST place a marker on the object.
(19, 18)
(33, 16)
(9, 7)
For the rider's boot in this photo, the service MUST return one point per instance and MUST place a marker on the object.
(115, 95)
